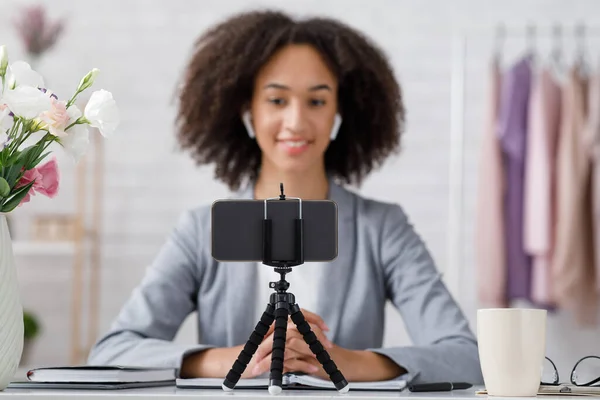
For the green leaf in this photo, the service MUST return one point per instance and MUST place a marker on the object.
(4, 188)
(39, 159)
(13, 158)
(31, 325)
(25, 159)
(29, 154)
(13, 173)
(14, 201)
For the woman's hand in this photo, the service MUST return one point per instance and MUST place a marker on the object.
(216, 362)
(297, 356)
(355, 365)
(361, 365)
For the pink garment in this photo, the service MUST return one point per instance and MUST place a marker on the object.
(573, 270)
(489, 240)
(592, 142)
(539, 199)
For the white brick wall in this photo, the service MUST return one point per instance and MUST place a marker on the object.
(141, 48)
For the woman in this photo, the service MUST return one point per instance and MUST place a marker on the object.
(311, 104)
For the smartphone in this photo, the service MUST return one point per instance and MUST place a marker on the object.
(237, 229)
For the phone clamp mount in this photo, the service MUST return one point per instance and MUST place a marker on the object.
(281, 304)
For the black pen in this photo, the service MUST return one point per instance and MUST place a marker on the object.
(438, 386)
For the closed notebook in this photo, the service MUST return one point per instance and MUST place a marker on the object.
(87, 385)
(564, 389)
(572, 390)
(101, 374)
(289, 381)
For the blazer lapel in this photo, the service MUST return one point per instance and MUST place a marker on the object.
(332, 291)
(242, 282)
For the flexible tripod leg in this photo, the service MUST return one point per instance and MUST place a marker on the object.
(279, 337)
(318, 350)
(239, 366)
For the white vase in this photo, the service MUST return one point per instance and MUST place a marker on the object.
(11, 310)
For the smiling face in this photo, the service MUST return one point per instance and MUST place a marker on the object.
(293, 108)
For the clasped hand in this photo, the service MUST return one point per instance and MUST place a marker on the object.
(355, 365)
(298, 356)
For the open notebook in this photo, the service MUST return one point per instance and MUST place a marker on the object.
(290, 381)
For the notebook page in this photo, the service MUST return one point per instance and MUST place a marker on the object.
(322, 383)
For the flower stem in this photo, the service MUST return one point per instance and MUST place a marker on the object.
(15, 142)
(80, 120)
(72, 100)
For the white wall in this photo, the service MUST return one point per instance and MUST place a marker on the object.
(141, 47)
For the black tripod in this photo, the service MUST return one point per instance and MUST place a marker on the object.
(281, 304)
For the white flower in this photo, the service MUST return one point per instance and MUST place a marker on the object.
(101, 112)
(26, 101)
(21, 74)
(77, 141)
(74, 113)
(6, 120)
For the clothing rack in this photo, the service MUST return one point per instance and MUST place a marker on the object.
(577, 31)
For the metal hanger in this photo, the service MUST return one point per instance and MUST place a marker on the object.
(580, 56)
(556, 59)
(499, 42)
(531, 47)
(530, 37)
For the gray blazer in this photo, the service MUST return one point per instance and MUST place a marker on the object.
(380, 257)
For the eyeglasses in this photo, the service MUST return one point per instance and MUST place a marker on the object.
(586, 372)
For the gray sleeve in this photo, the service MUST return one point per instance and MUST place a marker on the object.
(444, 348)
(143, 331)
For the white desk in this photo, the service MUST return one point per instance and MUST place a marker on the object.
(172, 393)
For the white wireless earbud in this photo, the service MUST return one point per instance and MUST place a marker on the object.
(247, 120)
(336, 126)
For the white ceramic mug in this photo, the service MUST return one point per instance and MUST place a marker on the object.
(512, 346)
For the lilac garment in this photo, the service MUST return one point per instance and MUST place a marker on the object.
(512, 132)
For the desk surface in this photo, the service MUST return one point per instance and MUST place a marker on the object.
(172, 393)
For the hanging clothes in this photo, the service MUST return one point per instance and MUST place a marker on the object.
(539, 201)
(573, 263)
(592, 142)
(489, 236)
(512, 131)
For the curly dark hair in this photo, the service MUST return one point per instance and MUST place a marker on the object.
(219, 81)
